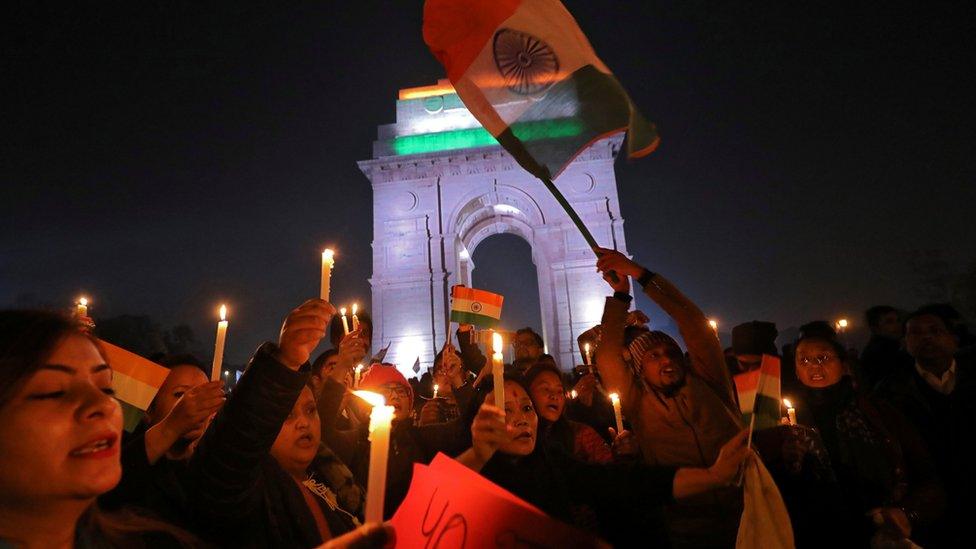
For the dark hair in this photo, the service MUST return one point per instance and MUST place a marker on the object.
(943, 311)
(27, 339)
(535, 336)
(538, 368)
(183, 359)
(817, 328)
(336, 332)
(874, 314)
(834, 344)
(320, 361)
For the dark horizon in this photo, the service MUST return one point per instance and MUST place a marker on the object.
(165, 159)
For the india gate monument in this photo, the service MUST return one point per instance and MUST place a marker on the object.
(442, 185)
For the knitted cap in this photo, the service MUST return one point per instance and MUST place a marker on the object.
(380, 374)
(646, 341)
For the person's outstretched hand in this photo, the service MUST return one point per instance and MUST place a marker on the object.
(191, 411)
(302, 331)
(612, 260)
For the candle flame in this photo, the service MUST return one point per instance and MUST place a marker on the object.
(83, 301)
(355, 307)
(787, 403)
(713, 323)
(615, 398)
(359, 368)
(328, 255)
(586, 347)
(436, 387)
(375, 400)
(223, 312)
(573, 394)
(496, 342)
(342, 311)
(842, 323)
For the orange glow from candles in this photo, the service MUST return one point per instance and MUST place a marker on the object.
(496, 343)
(83, 301)
(787, 403)
(374, 399)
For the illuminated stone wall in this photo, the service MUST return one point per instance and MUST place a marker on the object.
(441, 185)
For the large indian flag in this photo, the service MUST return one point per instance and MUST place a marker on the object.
(759, 394)
(135, 381)
(478, 307)
(525, 70)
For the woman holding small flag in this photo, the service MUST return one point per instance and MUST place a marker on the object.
(881, 481)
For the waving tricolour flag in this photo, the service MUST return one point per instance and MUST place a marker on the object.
(525, 70)
(478, 307)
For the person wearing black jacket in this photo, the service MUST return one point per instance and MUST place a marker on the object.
(259, 476)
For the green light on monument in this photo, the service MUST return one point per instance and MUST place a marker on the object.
(479, 137)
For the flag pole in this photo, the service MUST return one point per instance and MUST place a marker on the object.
(587, 235)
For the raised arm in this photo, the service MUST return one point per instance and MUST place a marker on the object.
(471, 356)
(616, 376)
(707, 361)
(226, 465)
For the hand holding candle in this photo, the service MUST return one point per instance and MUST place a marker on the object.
(380, 421)
(328, 262)
(790, 411)
(218, 358)
(498, 370)
(615, 399)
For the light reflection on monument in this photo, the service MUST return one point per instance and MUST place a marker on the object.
(441, 185)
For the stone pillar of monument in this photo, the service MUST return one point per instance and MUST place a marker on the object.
(441, 185)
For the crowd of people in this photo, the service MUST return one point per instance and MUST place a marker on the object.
(877, 455)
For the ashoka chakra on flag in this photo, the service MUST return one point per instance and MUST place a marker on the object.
(528, 65)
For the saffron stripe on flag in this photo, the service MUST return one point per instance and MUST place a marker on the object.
(134, 378)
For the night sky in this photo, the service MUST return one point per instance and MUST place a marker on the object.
(165, 157)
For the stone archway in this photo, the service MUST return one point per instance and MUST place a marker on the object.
(439, 189)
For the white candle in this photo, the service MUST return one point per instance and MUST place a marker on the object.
(218, 358)
(435, 390)
(345, 323)
(379, 450)
(615, 399)
(358, 374)
(328, 262)
(586, 354)
(81, 308)
(498, 370)
(790, 411)
(355, 319)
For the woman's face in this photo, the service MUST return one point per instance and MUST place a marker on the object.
(548, 395)
(817, 364)
(298, 440)
(60, 433)
(398, 396)
(181, 378)
(520, 417)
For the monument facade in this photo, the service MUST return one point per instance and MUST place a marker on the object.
(441, 185)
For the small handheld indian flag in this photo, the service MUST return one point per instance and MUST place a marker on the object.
(478, 307)
(135, 380)
(759, 394)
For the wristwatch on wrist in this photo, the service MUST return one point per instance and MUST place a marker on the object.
(645, 277)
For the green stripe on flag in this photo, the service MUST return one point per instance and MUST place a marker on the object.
(767, 413)
(600, 107)
(481, 321)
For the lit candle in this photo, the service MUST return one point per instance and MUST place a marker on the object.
(615, 399)
(355, 319)
(498, 370)
(790, 411)
(573, 394)
(328, 262)
(81, 308)
(714, 324)
(379, 451)
(435, 390)
(842, 325)
(218, 358)
(345, 323)
(586, 354)
(358, 374)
